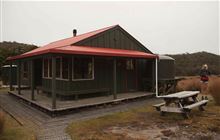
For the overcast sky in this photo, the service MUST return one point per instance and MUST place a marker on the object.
(163, 27)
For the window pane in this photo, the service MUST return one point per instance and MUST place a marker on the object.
(50, 67)
(58, 67)
(77, 68)
(65, 67)
(46, 67)
(83, 68)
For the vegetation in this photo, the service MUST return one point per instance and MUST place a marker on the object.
(132, 124)
(12, 49)
(12, 130)
(2, 122)
(190, 64)
(214, 89)
(144, 122)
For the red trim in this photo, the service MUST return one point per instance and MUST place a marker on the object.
(87, 50)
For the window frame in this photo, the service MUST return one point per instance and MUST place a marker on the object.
(48, 69)
(93, 70)
(61, 70)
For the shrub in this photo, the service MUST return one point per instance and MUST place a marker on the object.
(2, 121)
(190, 84)
(214, 89)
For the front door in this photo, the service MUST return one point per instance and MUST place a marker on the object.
(131, 75)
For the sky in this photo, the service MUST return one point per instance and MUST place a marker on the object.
(164, 27)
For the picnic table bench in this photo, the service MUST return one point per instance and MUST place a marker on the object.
(181, 102)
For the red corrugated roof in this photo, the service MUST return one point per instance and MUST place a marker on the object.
(61, 43)
(63, 46)
(95, 51)
(86, 50)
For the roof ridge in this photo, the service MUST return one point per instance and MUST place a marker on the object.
(84, 34)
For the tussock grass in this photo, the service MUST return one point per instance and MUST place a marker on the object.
(214, 90)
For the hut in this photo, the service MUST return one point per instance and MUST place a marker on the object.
(108, 60)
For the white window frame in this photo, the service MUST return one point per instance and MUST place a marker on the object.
(93, 71)
(61, 70)
(48, 68)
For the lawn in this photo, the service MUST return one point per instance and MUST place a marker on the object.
(146, 123)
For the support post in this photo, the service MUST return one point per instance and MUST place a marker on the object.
(53, 82)
(10, 76)
(32, 78)
(114, 78)
(19, 76)
(156, 77)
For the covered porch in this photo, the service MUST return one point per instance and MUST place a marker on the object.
(43, 102)
(107, 64)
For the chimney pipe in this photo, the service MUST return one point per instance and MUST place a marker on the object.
(74, 32)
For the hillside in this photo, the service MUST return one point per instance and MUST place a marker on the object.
(11, 49)
(190, 64)
(186, 64)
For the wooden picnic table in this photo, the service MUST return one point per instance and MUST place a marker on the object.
(181, 102)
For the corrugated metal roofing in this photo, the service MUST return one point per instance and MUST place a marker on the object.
(63, 46)
(86, 50)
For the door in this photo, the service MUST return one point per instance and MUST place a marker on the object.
(131, 75)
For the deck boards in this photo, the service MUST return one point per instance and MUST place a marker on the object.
(44, 103)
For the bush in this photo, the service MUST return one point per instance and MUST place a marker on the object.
(214, 89)
(2, 121)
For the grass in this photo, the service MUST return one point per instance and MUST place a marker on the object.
(142, 118)
(146, 116)
(214, 90)
(13, 131)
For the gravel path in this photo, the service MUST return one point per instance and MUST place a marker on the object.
(48, 128)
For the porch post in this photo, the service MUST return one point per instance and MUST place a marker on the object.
(153, 75)
(114, 79)
(53, 82)
(10, 76)
(19, 76)
(32, 78)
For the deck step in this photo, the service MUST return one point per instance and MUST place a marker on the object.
(200, 103)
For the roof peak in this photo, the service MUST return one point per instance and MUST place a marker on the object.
(93, 31)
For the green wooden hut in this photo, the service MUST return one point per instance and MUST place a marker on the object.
(107, 60)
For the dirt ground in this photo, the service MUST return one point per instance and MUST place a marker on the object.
(145, 123)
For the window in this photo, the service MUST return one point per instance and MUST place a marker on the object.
(47, 67)
(25, 69)
(129, 64)
(83, 68)
(62, 68)
(58, 67)
(65, 68)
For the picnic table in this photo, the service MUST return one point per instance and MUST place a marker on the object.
(181, 102)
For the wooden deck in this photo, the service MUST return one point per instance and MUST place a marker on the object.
(44, 103)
